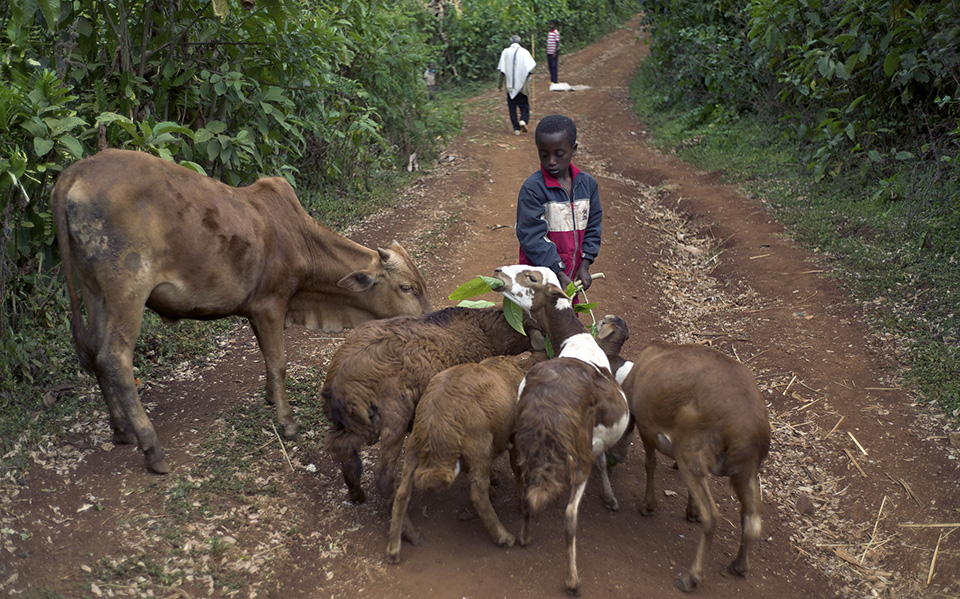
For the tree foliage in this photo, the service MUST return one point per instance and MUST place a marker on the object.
(861, 82)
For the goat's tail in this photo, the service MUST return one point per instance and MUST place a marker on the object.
(434, 478)
(85, 352)
(546, 468)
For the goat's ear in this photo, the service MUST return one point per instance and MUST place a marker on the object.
(537, 340)
(554, 293)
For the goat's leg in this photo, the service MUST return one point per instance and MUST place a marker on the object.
(621, 448)
(352, 469)
(747, 488)
(267, 324)
(480, 497)
(649, 503)
(399, 521)
(709, 514)
(391, 444)
(609, 499)
(570, 531)
(518, 479)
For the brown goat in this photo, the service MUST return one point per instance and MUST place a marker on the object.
(569, 412)
(464, 419)
(702, 408)
(375, 379)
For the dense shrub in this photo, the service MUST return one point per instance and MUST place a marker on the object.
(860, 82)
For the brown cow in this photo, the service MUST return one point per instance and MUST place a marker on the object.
(136, 230)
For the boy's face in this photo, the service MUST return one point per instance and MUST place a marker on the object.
(555, 153)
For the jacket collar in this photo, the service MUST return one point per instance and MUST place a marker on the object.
(551, 181)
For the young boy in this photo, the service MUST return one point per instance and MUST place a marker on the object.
(558, 209)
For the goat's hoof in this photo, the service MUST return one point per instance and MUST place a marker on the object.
(393, 558)
(506, 540)
(358, 496)
(737, 569)
(686, 582)
(574, 589)
(645, 510)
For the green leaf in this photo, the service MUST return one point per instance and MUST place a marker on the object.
(584, 307)
(476, 304)
(42, 146)
(514, 315)
(216, 127)
(73, 146)
(475, 287)
(548, 347)
(51, 13)
(890, 63)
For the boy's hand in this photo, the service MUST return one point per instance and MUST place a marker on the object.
(564, 280)
(583, 274)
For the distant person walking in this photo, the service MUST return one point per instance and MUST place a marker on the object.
(553, 51)
(515, 66)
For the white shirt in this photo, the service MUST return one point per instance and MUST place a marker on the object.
(516, 64)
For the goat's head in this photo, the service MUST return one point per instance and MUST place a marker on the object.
(612, 333)
(522, 283)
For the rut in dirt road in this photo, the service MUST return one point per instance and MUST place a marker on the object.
(686, 259)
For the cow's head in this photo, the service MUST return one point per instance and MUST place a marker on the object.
(393, 284)
(523, 284)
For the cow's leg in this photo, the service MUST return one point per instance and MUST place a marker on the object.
(123, 432)
(114, 359)
(399, 522)
(570, 531)
(747, 488)
(267, 325)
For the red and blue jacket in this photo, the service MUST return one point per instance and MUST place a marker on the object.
(556, 230)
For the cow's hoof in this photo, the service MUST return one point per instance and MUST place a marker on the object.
(358, 496)
(686, 583)
(124, 437)
(159, 466)
(574, 590)
(291, 432)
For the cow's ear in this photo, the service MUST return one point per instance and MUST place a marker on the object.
(357, 281)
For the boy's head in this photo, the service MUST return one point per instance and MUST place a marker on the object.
(556, 138)
(553, 24)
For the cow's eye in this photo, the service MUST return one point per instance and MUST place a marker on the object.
(406, 288)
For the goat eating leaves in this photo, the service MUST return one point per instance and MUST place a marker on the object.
(570, 409)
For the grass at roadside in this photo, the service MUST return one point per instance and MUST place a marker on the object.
(890, 232)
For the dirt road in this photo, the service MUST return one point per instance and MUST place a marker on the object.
(686, 259)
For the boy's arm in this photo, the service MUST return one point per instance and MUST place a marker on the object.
(591, 236)
(532, 230)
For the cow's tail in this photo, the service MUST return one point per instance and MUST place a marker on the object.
(77, 326)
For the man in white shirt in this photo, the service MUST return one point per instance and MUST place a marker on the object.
(515, 66)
